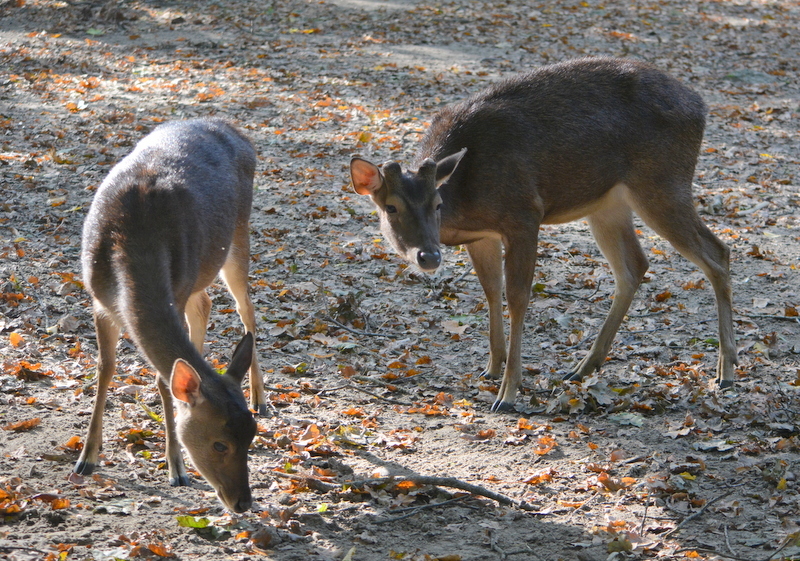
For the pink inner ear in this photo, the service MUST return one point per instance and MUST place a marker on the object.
(185, 382)
(365, 179)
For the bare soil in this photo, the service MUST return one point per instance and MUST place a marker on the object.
(371, 367)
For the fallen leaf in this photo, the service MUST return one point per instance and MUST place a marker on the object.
(23, 425)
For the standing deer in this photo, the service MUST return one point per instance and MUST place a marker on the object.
(596, 137)
(168, 218)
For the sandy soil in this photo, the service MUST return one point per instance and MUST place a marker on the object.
(371, 367)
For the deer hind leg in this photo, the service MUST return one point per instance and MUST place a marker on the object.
(235, 274)
(612, 227)
(198, 310)
(676, 220)
(520, 263)
(487, 259)
(107, 337)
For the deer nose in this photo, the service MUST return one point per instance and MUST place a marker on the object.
(243, 504)
(429, 260)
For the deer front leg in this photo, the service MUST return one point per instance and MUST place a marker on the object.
(107, 336)
(177, 471)
(519, 268)
(487, 259)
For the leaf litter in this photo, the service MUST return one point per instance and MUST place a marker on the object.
(372, 367)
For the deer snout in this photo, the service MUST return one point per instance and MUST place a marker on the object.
(243, 504)
(429, 260)
(235, 496)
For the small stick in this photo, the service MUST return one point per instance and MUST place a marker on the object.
(769, 316)
(312, 482)
(462, 276)
(527, 550)
(496, 548)
(574, 296)
(376, 396)
(330, 390)
(412, 510)
(644, 518)
(663, 327)
(358, 332)
(586, 502)
(697, 514)
(9, 548)
(786, 541)
(727, 540)
(376, 382)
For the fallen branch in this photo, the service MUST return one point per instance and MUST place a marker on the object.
(771, 316)
(319, 485)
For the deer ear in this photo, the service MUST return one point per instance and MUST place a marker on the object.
(365, 176)
(446, 166)
(242, 358)
(185, 383)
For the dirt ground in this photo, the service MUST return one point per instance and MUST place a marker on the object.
(372, 367)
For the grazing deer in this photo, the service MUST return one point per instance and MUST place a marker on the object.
(598, 138)
(168, 218)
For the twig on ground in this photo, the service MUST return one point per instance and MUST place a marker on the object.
(331, 390)
(494, 547)
(359, 332)
(416, 479)
(665, 327)
(644, 517)
(573, 296)
(90, 383)
(586, 502)
(312, 482)
(9, 548)
(727, 540)
(697, 514)
(770, 316)
(362, 390)
(376, 382)
(412, 510)
(786, 541)
(526, 549)
(463, 275)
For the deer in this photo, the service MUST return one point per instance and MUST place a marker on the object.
(595, 138)
(165, 222)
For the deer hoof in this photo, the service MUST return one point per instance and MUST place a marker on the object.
(500, 406)
(180, 481)
(262, 410)
(572, 377)
(486, 375)
(725, 384)
(83, 468)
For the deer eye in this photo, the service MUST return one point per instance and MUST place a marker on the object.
(391, 209)
(220, 447)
